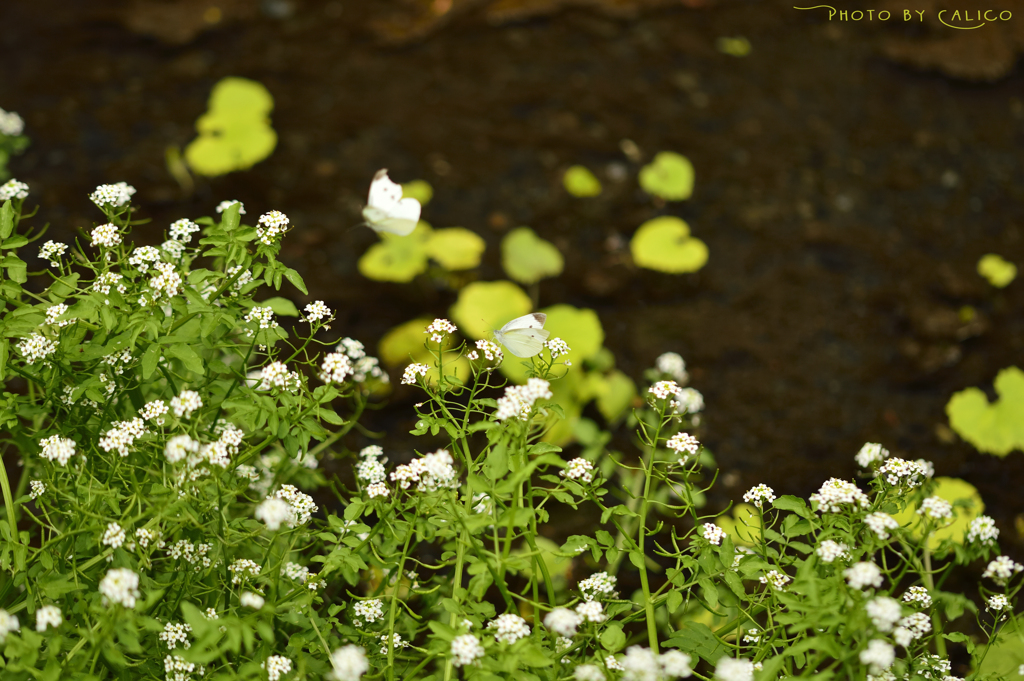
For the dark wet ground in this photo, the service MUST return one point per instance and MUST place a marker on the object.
(845, 199)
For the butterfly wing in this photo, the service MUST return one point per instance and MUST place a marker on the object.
(386, 210)
(524, 336)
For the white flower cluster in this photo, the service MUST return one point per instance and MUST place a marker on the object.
(12, 190)
(187, 402)
(270, 226)
(36, 489)
(983, 530)
(277, 666)
(57, 448)
(871, 453)
(317, 310)
(591, 611)
(370, 470)
(598, 585)
(564, 621)
(243, 278)
(173, 249)
(115, 195)
(363, 366)
(672, 364)
(466, 649)
(296, 572)
(144, 537)
(579, 469)
(349, 663)
(918, 595)
(492, 352)
(54, 314)
(106, 280)
(776, 579)
(36, 347)
(179, 447)
(884, 612)
(519, 399)
(734, 669)
(106, 236)
(274, 512)
(182, 230)
(120, 586)
(52, 251)
(263, 316)
(880, 523)
(879, 655)
(899, 472)
(143, 257)
(302, 504)
(681, 400)
(937, 508)
(829, 551)
(8, 623)
(113, 536)
(178, 668)
(154, 411)
(175, 633)
(48, 616)
(249, 599)
(335, 368)
(713, 533)
(224, 205)
(997, 603)
(193, 554)
(430, 472)
(912, 627)
(412, 372)
(122, 436)
(243, 569)
(862, 575)
(439, 329)
(165, 284)
(370, 610)
(683, 442)
(11, 124)
(641, 664)
(589, 672)
(1002, 569)
(558, 347)
(276, 375)
(396, 643)
(835, 493)
(761, 494)
(509, 628)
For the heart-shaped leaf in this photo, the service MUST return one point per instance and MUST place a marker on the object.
(665, 244)
(527, 258)
(669, 176)
(996, 428)
(487, 305)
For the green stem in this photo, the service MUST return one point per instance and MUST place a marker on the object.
(940, 642)
(652, 627)
(12, 515)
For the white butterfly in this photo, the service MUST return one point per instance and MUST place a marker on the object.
(524, 336)
(386, 210)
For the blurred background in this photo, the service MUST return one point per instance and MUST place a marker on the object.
(849, 176)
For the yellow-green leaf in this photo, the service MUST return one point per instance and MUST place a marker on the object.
(397, 258)
(999, 272)
(456, 248)
(669, 176)
(744, 526)
(419, 190)
(280, 306)
(487, 305)
(527, 258)
(614, 393)
(734, 47)
(580, 182)
(235, 132)
(996, 428)
(665, 244)
(403, 341)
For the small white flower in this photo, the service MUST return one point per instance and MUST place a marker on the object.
(250, 600)
(274, 512)
(349, 663)
(277, 666)
(829, 550)
(370, 610)
(48, 616)
(36, 489)
(270, 226)
(937, 508)
(557, 347)
(13, 189)
(52, 251)
(121, 586)
(871, 453)
(862, 575)
(734, 669)
(412, 372)
(57, 448)
(317, 311)
(187, 402)
(983, 530)
(509, 628)
(114, 536)
(880, 524)
(1002, 569)
(36, 347)
(713, 533)
(998, 603)
(563, 621)
(760, 494)
(466, 649)
(879, 655)
(12, 125)
(918, 595)
(776, 579)
(106, 236)
(836, 493)
(579, 469)
(591, 611)
(684, 442)
(224, 205)
(599, 584)
(182, 230)
(588, 672)
(8, 623)
(115, 195)
(176, 633)
(335, 368)
(672, 364)
(439, 330)
(884, 612)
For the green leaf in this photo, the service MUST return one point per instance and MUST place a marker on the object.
(149, 360)
(419, 190)
(614, 393)
(527, 258)
(188, 356)
(673, 600)
(669, 176)
(295, 279)
(280, 306)
(397, 258)
(999, 272)
(664, 244)
(967, 506)
(235, 132)
(996, 428)
(532, 656)
(6, 219)
(613, 638)
(580, 182)
(483, 306)
(455, 248)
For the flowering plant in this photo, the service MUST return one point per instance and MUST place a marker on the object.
(167, 424)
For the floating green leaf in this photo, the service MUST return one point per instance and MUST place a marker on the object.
(999, 272)
(669, 176)
(527, 258)
(487, 305)
(614, 393)
(952, 490)
(404, 344)
(996, 428)
(456, 248)
(235, 132)
(580, 182)
(419, 190)
(665, 244)
(734, 47)
(580, 328)
(397, 258)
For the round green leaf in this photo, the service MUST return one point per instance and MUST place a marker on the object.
(241, 97)
(665, 244)
(397, 258)
(952, 490)
(580, 182)
(235, 132)
(579, 327)
(614, 393)
(999, 272)
(419, 190)
(527, 258)
(487, 305)
(996, 428)
(456, 248)
(670, 176)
